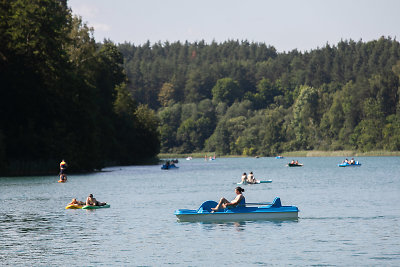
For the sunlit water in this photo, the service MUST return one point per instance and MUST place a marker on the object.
(348, 216)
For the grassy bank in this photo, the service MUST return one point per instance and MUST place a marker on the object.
(313, 153)
(341, 153)
(195, 155)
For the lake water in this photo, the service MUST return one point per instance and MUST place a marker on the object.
(348, 216)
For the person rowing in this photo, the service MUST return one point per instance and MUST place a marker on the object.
(239, 199)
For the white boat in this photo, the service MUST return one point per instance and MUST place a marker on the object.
(272, 211)
(257, 182)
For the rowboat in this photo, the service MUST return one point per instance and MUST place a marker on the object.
(271, 211)
(62, 181)
(346, 164)
(279, 157)
(257, 182)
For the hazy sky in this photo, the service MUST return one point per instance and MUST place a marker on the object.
(284, 24)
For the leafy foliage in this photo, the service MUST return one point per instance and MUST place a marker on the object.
(63, 95)
(260, 102)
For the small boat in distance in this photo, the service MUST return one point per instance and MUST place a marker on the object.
(349, 163)
(346, 164)
(271, 211)
(169, 166)
(279, 157)
(257, 182)
(295, 165)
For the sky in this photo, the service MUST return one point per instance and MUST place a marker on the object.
(285, 24)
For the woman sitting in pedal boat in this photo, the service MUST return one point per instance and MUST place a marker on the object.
(239, 199)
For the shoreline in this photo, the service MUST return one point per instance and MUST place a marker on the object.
(312, 153)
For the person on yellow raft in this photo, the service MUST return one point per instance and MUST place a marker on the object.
(76, 202)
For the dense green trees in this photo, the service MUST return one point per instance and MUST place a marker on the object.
(63, 96)
(259, 101)
(226, 90)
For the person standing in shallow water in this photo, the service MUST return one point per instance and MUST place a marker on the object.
(63, 167)
(239, 199)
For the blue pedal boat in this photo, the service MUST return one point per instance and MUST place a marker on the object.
(168, 167)
(271, 211)
(346, 164)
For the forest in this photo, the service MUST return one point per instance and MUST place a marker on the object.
(95, 104)
(64, 96)
(245, 98)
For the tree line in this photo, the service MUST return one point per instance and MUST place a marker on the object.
(64, 96)
(244, 98)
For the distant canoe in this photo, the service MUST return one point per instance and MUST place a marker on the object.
(257, 182)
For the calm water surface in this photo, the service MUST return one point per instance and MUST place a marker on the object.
(348, 216)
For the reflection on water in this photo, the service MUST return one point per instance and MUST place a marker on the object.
(240, 225)
(211, 226)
